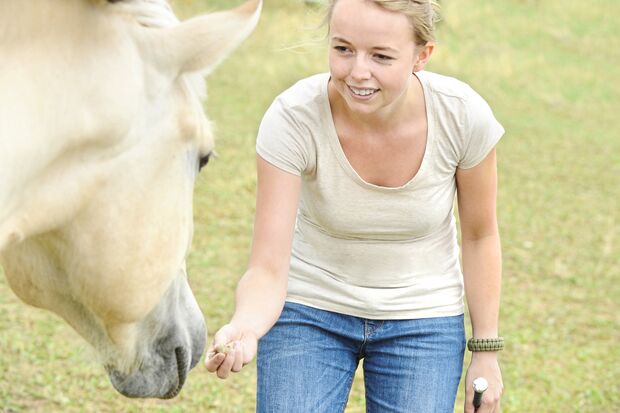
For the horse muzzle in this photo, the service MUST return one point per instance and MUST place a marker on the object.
(172, 339)
(162, 373)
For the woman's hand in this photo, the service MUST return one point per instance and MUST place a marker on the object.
(484, 364)
(231, 350)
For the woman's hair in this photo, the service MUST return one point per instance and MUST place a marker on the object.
(422, 14)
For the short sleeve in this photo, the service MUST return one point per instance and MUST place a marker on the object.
(483, 131)
(282, 140)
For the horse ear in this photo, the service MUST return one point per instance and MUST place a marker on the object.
(201, 43)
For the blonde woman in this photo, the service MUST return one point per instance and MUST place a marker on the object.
(355, 255)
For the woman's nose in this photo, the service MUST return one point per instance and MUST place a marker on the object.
(360, 69)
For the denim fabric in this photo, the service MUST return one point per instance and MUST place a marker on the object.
(307, 361)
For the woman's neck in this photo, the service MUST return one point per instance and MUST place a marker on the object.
(386, 118)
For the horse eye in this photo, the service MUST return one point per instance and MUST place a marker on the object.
(204, 160)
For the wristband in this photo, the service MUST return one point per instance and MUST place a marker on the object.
(485, 344)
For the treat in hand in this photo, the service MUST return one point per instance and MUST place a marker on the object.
(222, 348)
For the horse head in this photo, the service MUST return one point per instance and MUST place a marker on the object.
(102, 135)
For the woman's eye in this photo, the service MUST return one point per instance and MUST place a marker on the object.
(204, 160)
(341, 49)
(383, 57)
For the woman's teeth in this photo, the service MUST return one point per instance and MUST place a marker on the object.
(362, 92)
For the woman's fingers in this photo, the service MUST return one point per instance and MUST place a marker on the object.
(213, 361)
(225, 368)
(238, 363)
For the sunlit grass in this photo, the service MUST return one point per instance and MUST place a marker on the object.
(550, 70)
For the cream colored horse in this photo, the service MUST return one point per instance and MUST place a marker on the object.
(101, 137)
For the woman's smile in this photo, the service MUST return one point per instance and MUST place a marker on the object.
(362, 93)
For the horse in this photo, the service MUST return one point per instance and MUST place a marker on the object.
(102, 134)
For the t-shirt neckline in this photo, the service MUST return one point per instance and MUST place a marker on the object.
(344, 161)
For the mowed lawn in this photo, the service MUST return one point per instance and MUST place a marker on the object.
(551, 71)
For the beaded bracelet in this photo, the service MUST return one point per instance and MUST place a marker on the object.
(485, 344)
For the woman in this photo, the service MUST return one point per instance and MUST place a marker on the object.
(355, 252)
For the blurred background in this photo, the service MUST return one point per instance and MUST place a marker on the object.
(551, 72)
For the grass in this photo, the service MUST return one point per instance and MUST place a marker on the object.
(549, 69)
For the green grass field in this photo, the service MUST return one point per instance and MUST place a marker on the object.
(551, 71)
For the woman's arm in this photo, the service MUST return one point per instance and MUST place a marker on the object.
(262, 289)
(482, 267)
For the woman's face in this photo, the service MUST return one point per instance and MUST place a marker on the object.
(372, 55)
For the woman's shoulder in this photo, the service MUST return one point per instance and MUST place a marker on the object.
(454, 96)
(446, 86)
(305, 92)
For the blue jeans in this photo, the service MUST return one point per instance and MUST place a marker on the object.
(307, 361)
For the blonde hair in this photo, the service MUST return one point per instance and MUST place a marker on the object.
(422, 14)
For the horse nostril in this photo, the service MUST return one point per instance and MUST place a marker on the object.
(182, 361)
(182, 364)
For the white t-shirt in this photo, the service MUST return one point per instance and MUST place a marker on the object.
(366, 250)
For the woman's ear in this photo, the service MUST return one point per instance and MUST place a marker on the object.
(423, 54)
